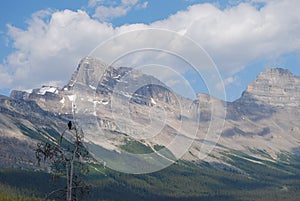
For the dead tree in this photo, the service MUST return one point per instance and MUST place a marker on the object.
(67, 156)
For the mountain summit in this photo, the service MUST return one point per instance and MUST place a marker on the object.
(130, 108)
(275, 87)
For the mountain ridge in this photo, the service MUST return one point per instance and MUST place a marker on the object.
(259, 120)
(275, 86)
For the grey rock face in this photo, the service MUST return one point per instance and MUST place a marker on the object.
(125, 103)
(23, 123)
(274, 87)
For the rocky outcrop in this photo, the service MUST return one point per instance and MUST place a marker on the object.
(122, 102)
(101, 81)
(274, 87)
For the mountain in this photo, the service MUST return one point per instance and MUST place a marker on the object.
(123, 110)
(275, 87)
(266, 118)
(248, 149)
(23, 124)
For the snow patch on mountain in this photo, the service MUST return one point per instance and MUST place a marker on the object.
(92, 87)
(72, 98)
(62, 101)
(153, 101)
(49, 89)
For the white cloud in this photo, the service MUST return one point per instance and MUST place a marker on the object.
(142, 5)
(47, 52)
(229, 80)
(5, 78)
(104, 13)
(129, 2)
(114, 10)
(241, 34)
(93, 3)
(50, 48)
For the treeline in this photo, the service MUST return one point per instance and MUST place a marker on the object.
(5, 197)
(8, 193)
(182, 181)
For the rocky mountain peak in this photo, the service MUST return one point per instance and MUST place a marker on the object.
(86, 72)
(127, 104)
(94, 78)
(124, 81)
(274, 87)
(276, 72)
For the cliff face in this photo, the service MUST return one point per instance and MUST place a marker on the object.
(274, 87)
(96, 79)
(115, 104)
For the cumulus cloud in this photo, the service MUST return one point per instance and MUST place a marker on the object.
(238, 35)
(93, 3)
(107, 12)
(129, 2)
(48, 51)
(142, 5)
(53, 43)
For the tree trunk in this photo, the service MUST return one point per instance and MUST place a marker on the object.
(69, 187)
(71, 180)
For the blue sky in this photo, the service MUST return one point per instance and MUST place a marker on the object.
(42, 41)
